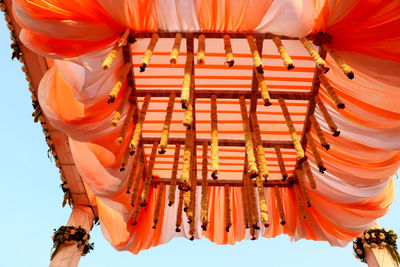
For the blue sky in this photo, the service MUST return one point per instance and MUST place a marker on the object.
(30, 204)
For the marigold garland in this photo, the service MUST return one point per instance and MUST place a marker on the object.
(339, 61)
(252, 204)
(138, 127)
(188, 119)
(251, 161)
(167, 124)
(179, 212)
(281, 163)
(280, 204)
(261, 200)
(258, 65)
(300, 178)
(114, 52)
(332, 92)
(160, 197)
(118, 111)
(189, 206)
(245, 205)
(299, 201)
(125, 124)
(316, 154)
(319, 132)
(307, 169)
(149, 52)
(321, 64)
(175, 49)
(172, 187)
(292, 130)
(287, 60)
(227, 207)
(327, 117)
(187, 154)
(124, 160)
(263, 167)
(201, 50)
(137, 179)
(204, 189)
(264, 89)
(193, 193)
(132, 173)
(135, 202)
(187, 80)
(214, 138)
(149, 175)
(228, 50)
(118, 85)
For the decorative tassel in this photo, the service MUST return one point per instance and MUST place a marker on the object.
(300, 178)
(292, 130)
(263, 168)
(327, 117)
(132, 174)
(167, 124)
(299, 201)
(228, 50)
(281, 163)
(149, 175)
(138, 127)
(316, 154)
(258, 65)
(307, 169)
(118, 112)
(280, 204)
(172, 187)
(201, 50)
(287, 60)
(204, 189)
(187, 155)
(339, 61)
(114, 52)
(118, 85)
(149, 52)
(214, 138)
(245, 205)
(332, 93)
(187, 80)
(179, 212)
(175, 49)
(127, 121)
(252, 166)
(319, 132)
(321, 64)
(228, 219)
(264, 89)
(160, 197)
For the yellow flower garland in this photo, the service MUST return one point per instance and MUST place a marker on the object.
(287, 60)
(179, 212)
(136, 192)
(187, 80)
(124, 160)
(228, 50)
(263, 168)
(114, 52)
(300, 178)
(280, 204)
(252, 203)
(127, 121)
(118, 112)
(251, 161)
(167, 124)
(319, 132)
(327, 117)
(316, 154)
(299, 201)
(132, 173)
(227, 206)
(175, 49)
(188, 119)
(262, 202)
(138, 127)
(321, 64)
(201, 50)
(281, 163)
(185, 181)
(204, 189)
(172, 187)
(214, 138)
(332, 92)
(264, 89)
(160, 196)
(149, 175)
(245, 205)
(292, 130)
(118, 85)
(339, 61)
(258, 65)
(192, 217)
(149, 52)
(307, 169)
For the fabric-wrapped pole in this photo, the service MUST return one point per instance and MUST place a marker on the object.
(172, 187)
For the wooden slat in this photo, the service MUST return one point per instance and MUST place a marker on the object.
(222, 182)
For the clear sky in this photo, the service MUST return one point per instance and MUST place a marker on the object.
(30, 204)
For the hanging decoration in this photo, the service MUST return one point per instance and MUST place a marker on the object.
(167, 124)
(175, 49)
(228, 51)
(204, 189)
(149, 52)
(172, 187)
(214, 138)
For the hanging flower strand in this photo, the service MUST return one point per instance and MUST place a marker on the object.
(251, 161)
(321, 64)
(316, 154)
(287, 60)
(149, 174)
(188, 119)
(263, 168)
(245, 205)
(307, 169)
(228, 50)
(138, 127)
(264, 89)
(281, 163)
(204, 189)
(300, 178)
(149, 52)
(187, 154)
(192, 218)
(319, 132)
(327, 117)
(167, 124)
(114, 52)
(339, 61)
(136, 202)
(280, 204)
(136, 184)
(124, 160)
(332, 93)
(118, 112)
(214, 138)
(175, 49)
(258, 65)
(187, 80)
(160, 197)
(172, 187)
(299, 201)
(201, 50)
(179, 212)
(127, 121)
(228, 211)
(132, 173)
(118, 85)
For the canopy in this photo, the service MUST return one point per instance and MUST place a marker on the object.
(356, 188)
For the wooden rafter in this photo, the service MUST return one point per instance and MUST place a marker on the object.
(222, 182)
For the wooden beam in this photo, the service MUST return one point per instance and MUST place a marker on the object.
(222, 182)
(221, 142)
(226, 94)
